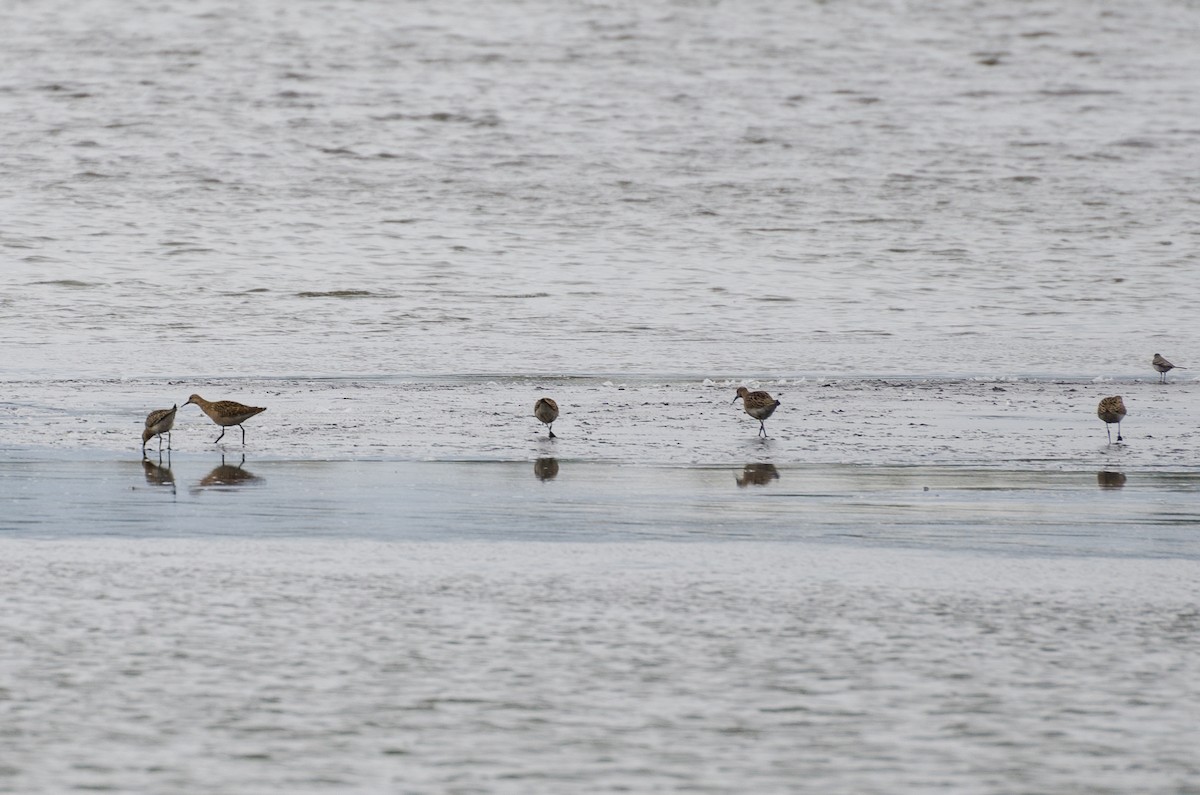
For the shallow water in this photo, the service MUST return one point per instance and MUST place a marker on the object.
(755, 188)
(938, 233)
(969, 511)
(259, 665)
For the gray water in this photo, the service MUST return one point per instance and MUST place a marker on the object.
(259, 666)
(745, 188)
(1012, 513)
(939, 233)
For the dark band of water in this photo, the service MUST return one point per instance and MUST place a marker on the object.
(1152, 514)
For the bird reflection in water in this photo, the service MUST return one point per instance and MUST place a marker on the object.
(1110, 480)
(158, 474)
(545, 468)
(228, 475)
(757, 475)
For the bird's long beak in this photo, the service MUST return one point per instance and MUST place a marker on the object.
(735, 397)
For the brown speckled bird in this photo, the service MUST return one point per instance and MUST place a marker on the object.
(546, 410)
(225, 413)
(758, 405)
(158, 423)
(1111, 409)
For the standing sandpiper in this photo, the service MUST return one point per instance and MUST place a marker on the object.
(1111, 409)
(758, 405)
(546, 410)
(158, 423)
(1163, 367)
(225, 413)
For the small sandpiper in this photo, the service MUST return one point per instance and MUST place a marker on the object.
(158, 423)
(546, 410)
(758, 405)
(225, 413)
(1111, 409)
(1163, 367)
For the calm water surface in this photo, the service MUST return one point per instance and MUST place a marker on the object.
(317, 665)
(753, 187)
(1040, 513)
(559, 625)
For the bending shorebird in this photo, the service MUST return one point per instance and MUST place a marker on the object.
(1111, 409)
(225, 413)
(158, 423)
(546, 410)
(1163, 367)
(758, 405)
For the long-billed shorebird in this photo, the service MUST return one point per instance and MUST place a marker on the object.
(1111, 409)
(758, 405)
(1163, 367)
(225, 413)
(158, 423)
(546, 410)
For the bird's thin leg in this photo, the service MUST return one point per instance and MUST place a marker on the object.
(762, 428)
(168, 440)
(160, 444)
(243, 427)
(219, 437)
(1108, 431)
(1119, 439)
(551, 427)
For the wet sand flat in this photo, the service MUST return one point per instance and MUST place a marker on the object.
(1018, 423)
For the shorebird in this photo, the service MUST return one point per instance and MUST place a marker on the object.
(225, 413)
(158, 423)
(546, 410)
(758, 405)
(1163, 367)
(1111, 409)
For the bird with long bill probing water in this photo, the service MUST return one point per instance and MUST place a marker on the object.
(158, 423)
